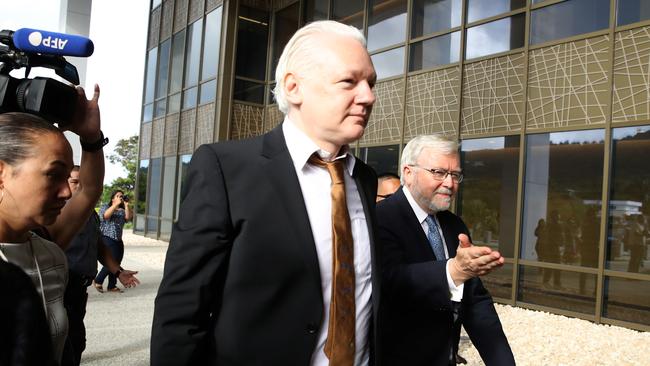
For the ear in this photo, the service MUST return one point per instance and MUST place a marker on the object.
(292, 89)
(407, 173)
(3, 172)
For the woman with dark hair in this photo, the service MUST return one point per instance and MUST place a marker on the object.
(35, 162)
(113, 215)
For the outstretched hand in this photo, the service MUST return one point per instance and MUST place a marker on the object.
(473, 261)
(86, 122)
(128, 279)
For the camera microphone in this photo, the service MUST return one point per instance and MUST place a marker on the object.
(51, 43)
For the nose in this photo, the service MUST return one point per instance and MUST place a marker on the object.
(365, 95)
(448, 181)
(65, 191)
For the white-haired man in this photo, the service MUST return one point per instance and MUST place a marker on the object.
(271, 261)
(430, 268)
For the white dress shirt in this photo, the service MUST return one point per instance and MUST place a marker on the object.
(456, 291)
(315, 184)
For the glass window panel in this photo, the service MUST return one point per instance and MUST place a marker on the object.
(286, 24)
(315, 10)
(193, 53)
(211, 44)
(632, 11)
(568, 18)
(627, 300)
(176, 78)
(152, 227)
(430, 16)
(497, 36)
(189, 97)
(174, 103)
(481, 9)
(163, 69)
(208, 91)
(155, 3)
(168, 186)
(153, 203)
(152, 60)
(160, 107)
(499, 282)
(139, 223)
(271, 98)
(349, 12)
(249, 91)
(487, 201)
(386, 23)
(629, 206)
(143, 174)
(565, 294)
(252, 40)
(183, 165)
(562, 197)
(383, 159)
(389, 63)
(165, 230)
(435, 51)
(147, 113)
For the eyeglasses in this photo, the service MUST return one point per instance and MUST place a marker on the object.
(441, 174)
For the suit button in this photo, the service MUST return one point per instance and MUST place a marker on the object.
(311, 328)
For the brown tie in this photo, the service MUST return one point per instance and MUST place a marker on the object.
(340, 344)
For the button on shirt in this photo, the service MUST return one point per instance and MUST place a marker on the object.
(315, 184)
(456, 291)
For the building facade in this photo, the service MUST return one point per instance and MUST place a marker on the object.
(550, 99)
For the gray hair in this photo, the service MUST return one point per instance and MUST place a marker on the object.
(296, 53)
(19, 134)
(413, 149)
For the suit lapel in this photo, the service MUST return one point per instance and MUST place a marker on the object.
(282, 177)
(412, 226)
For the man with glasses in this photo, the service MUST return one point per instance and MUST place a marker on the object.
(430, 269)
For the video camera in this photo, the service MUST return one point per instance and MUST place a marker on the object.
(46, 97)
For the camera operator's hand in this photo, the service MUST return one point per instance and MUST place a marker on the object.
(86, 121)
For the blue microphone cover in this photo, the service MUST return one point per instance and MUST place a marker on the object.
(52, 43)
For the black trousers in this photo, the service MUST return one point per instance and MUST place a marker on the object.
(75, 300)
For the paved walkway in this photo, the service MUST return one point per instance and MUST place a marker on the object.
(119, 325)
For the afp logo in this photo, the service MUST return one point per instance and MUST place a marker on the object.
(36, 39)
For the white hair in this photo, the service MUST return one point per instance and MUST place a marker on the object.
(295, 54)
(413, 149)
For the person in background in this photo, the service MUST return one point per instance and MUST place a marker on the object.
(387, 184)
(112, 217)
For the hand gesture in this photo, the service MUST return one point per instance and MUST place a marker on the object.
(128, 279)
(86, 123)
(472, 261)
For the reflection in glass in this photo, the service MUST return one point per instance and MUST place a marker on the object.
(153, 202)
(160, 107)
(169, 179)
(152, 227)
(315, 10)
(629, 206)
(165, 230)
(632, 11)
(163, 69)
(270, 98)
(174, 103)
(147, 113)
(481, 9)
(248, 91)
(211, 44)
(208, 91)
(252, 40)
(139, 223)
(486, 199)
(562, 198)
(389, 63)
(286, 24)
(155, 3)
(152, 61)
(189, 97)
(568, 18)
(497, 36)
(178, 45)
(143, 174)
(193, 53)
(566, 295)
(183, 165)
(627, 300)
(349, 12)
(383, 159)
(430, 16)
(499, 282)
(435, 51)
(386, 23)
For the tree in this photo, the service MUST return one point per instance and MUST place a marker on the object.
(125, 154)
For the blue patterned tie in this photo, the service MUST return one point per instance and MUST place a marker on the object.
(434, 239)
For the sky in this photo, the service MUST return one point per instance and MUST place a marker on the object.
(118, 29)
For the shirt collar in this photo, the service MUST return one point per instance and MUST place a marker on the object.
(419, 212)
(301, 147)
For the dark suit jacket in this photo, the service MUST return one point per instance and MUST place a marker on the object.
(417, 310)
(241, 284)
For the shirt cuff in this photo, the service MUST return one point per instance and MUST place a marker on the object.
(456, 291)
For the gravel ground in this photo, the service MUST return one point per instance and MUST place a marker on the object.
(119, 325)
